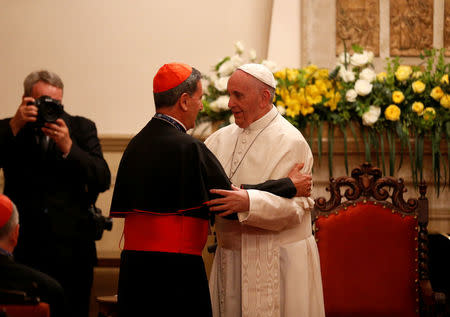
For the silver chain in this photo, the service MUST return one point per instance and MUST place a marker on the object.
(243, 156)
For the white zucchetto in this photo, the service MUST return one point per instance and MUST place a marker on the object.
(260, 72)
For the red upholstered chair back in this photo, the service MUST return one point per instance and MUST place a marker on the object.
(370, 248)
(38, 310)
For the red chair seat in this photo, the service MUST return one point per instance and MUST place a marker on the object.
(38, 310)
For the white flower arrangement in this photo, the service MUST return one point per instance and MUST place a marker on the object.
(358, 76)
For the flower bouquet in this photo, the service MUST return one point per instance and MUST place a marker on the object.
(396, 110)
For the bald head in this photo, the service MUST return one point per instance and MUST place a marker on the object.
(9, 224)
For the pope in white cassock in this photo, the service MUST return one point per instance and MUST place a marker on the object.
(267, 261)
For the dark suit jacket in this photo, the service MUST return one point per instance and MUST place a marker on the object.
(51, 192)
(18, 277)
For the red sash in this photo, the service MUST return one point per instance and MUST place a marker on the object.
(165, 233)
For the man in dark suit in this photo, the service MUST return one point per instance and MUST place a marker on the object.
(53, 169)
(18, 277)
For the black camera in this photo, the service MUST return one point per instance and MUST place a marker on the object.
(99, 223)
(49, 110)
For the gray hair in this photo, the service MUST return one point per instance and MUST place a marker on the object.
(169, 98)
(263, 86)
(11, 224)
(41, 75)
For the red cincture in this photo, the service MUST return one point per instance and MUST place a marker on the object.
(165, 232)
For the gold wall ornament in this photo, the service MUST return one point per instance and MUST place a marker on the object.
(411, 27)
(358, 22)
(447, 27)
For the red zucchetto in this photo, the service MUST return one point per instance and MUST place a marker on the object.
(170, 76)
(6, 209)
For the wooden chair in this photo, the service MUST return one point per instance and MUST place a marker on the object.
(373, 252)
(107, 306)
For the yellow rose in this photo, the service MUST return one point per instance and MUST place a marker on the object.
(444, 79)
(418, 87)
(403, 72)
(397, 97)
(392, 113)
(437, 93)
(381, 76)
(417, 107)
(445, 101)
(429, 113)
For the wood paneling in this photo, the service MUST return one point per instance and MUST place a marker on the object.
(358, 22)
(411, 26)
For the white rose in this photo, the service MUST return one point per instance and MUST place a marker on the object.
(281, 110)
(370, 56)
(351, 95)
(236, 60)
(272, 66)
(358, 59)
(220, 104)
(343, 57)
(205, 83)
(252, 55)
(221, 83)
(368, 74)
(346, 75)
(371, 116)
(226, 68)
(239, 47)
(363, 87)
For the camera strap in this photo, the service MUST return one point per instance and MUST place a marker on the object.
(43, 141)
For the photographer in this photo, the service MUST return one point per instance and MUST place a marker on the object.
(53, 163)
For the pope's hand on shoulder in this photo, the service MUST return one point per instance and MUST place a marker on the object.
(302, 182)
(24, 114)
(59, 133)
(233, 201)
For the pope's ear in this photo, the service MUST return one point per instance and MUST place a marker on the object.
(183, 101)
(266, 96)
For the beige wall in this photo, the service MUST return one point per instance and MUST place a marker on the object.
(107, 51)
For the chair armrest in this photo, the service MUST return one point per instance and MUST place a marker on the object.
(434, 302)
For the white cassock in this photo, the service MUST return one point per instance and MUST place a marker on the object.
(267, 263)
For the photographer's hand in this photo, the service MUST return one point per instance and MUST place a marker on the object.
(59, 133)
(23, 115)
